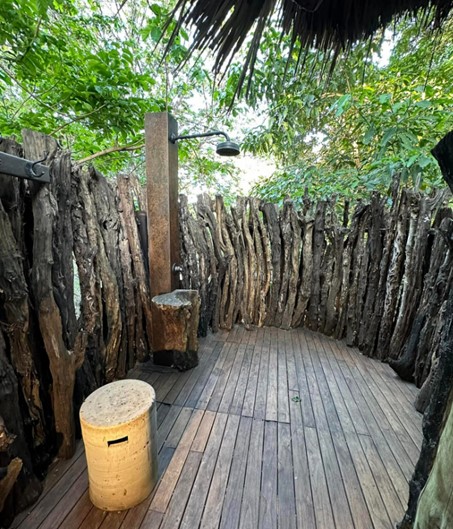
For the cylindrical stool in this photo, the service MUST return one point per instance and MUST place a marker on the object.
(119, 432)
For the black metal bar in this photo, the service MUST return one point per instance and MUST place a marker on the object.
(174, 139)
(22, 168)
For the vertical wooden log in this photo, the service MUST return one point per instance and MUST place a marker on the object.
(337, 241)
(63, 362)
(12, 194)
(348, 254)
(355, 291)
(217, 262)
(327, 264)
(306, 267)
(389, 228)
(418, 348)
(189, 257)
(109, 300)
(293, 264)
(139, 271)
(266, 266)
(428, 334)
(374, 248)
(16, 306)
(199, 265)
(413, 270)
(271, 217)
(237, 234)
(108, 229)
(250, 266)
(26, 487)
(395, 271)
(229, 291)
(318, 250)
(85, 250)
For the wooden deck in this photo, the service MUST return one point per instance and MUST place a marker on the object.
(274, 428)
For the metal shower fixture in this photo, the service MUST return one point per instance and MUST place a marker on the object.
(224, 148)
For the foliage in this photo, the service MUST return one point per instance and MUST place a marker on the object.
(352, 131)
(87, 71)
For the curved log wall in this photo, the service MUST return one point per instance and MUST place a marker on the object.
(50, 359)
(377, 279)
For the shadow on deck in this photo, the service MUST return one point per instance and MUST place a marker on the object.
(274, 428)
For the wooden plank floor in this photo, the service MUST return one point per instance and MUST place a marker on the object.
(273, 429)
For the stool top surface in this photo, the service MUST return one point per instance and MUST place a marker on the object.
(178, 298)
(117, 403)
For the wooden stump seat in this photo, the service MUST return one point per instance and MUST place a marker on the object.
(175, 329)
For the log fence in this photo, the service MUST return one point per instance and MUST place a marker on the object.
(375, 274)
(376, 277)
(50, 359)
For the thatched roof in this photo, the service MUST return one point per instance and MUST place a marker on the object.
(330, 25)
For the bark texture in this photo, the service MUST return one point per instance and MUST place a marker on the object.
(375, 275)
(74, 304)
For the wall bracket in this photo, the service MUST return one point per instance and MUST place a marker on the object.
(22, 168)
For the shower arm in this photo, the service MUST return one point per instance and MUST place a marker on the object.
(173, 138)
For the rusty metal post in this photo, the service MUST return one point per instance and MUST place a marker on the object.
(162, 192)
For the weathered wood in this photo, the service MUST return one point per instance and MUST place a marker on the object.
(418, 347)
(434, 418)
(17, 313)
(327, 265)
(413, 269)
(318, 250)
(374, 249)
(307, 271)
(394, 275)
(106, 228)
(424, 395)
(237, 240)
(260, 472)
(229, 291)
(175, 336)
(388, 226)
(251, 290)
(20, 487)
(357, 238)
(272, 220)
(12, 194)
(294, 243)
(139, 270)
(217, 261)
(91, 375)
(437, 416)
(63, 360)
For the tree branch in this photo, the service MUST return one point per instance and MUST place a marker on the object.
(110, 150)
(77, 118)
(30, 93)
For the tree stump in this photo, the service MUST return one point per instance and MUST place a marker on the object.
(175, 329)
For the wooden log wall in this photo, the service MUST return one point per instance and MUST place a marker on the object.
(50, 358)
(376, 276)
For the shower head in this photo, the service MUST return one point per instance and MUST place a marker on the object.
(225, 148)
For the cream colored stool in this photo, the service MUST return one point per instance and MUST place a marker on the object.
(119, 432)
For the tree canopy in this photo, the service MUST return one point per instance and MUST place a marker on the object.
(86, 71)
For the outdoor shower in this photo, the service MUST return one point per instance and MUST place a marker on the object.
(224, 148)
